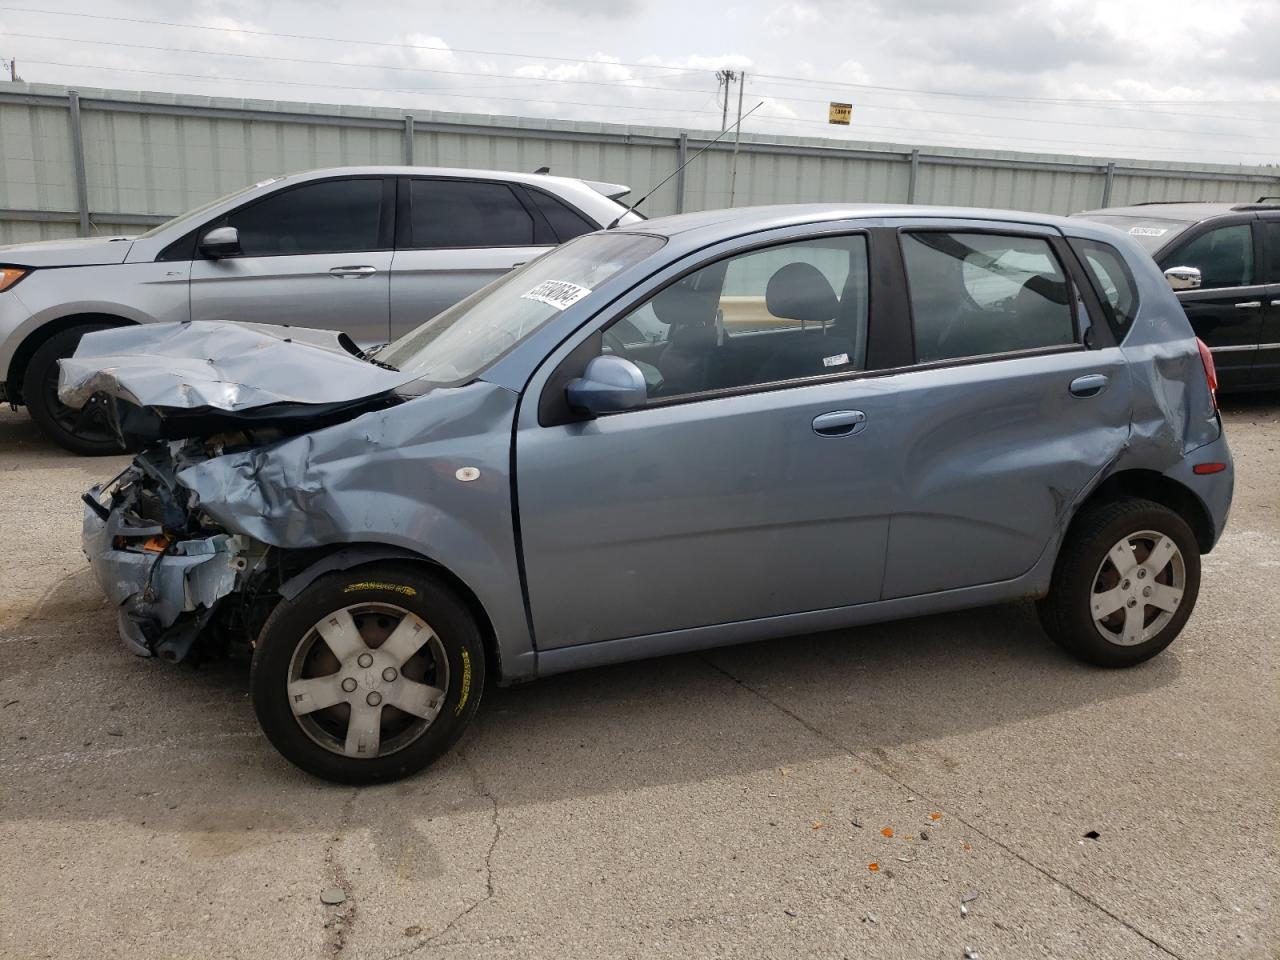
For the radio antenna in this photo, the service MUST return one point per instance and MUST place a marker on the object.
(657, 186)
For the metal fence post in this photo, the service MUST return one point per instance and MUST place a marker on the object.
(77, 161)
(915, 173)
(682, 149)
(408, 140)
(1106, 186)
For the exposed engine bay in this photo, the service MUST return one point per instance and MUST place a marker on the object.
(167, 566)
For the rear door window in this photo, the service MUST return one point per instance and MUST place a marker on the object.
(1112, 281)
(333, 216)
(1223, 256)
(1271, 237)
(566, 223)
(976, 294)
(466, 213)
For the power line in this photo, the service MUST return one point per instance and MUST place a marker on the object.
(439, 48)
(440, 92)
(1055, 122)
(1021, 139)
(520, 78)
(724, 77)
(1078, 101)
(424, 91)
(1066, 101)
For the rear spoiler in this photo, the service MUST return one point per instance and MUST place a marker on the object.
(611, 190)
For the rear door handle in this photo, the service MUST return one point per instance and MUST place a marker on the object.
(839, 423)
(1089, 385)
(1249, 305)
(352, 271)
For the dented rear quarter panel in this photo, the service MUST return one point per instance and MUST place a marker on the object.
(390, 477)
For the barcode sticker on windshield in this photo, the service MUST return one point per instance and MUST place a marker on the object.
(839, 360)
(1148, 231)
(557, 293)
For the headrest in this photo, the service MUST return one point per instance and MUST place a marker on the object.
(679, 305)
(800, 291)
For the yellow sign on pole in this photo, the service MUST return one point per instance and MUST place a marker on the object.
(840, 113)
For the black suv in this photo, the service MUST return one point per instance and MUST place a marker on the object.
(1223, 260)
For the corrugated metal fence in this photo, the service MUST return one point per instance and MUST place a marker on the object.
(112, 161)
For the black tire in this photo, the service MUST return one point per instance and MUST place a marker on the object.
(87, 434)
(287, 641)
(1067, 613)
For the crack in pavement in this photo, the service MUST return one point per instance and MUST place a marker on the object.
(880, 767)
(341, 923)
(481, 790)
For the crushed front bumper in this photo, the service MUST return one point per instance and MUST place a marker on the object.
(164, 598)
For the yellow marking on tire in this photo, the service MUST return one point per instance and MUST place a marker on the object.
(466, 683)
(375, 585)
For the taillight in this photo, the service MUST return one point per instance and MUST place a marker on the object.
(1210, 373)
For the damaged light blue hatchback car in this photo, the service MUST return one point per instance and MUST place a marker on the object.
(700, 430)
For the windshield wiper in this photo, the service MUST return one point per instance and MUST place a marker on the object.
(369, 356)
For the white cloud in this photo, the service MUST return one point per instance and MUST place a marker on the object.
(1217, 67)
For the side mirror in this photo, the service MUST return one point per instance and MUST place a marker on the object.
(221, 242)
(608, 385)
(1183, 278)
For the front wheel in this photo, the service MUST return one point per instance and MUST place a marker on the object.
(86, 431)
(368, 674)
(1124, 585)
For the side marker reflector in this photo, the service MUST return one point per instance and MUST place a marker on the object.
(1203, 468)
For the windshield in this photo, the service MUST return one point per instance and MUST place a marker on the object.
(1148, 231)
(205, 206)
(460, 342)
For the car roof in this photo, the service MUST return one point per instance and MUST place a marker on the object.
(739, 220)
(534, 179)
(1183, 211)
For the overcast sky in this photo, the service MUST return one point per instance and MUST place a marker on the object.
(1177, 80)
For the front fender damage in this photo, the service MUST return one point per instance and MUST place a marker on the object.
(241, 518)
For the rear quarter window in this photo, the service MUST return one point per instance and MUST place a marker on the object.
(1112, 282)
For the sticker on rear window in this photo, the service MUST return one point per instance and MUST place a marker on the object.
(557, 293)
(1148, 231)
(838, 360)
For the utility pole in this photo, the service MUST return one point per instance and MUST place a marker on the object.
(737, 138)
(13, 70)
(723, 79)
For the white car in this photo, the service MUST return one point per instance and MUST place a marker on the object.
(369, 251)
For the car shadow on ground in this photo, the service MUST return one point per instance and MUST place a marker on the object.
(687, 718)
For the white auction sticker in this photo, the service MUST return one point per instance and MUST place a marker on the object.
(1148, 231)
(839, 360)
(557, 293)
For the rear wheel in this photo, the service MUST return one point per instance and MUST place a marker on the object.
(367, 675)
(1125, 583)
(85, 431)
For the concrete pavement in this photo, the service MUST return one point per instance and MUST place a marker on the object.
(728, 804)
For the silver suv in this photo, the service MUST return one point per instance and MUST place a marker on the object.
(368, 251)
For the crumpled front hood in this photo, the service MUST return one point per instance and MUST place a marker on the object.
(172, 368)
(68, 252)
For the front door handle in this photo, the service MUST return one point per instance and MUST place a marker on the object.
(1249, 305)
(839, 423)
(352, 271)
(1089, 385)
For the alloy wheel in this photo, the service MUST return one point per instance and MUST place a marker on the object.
(1138, 588)
(368, 680)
